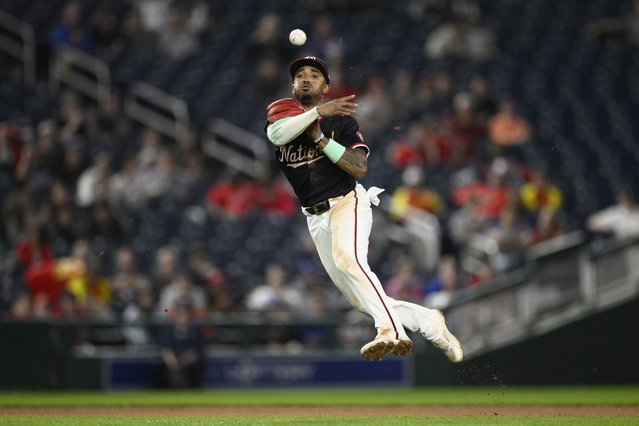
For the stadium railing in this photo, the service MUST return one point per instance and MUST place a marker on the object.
(236, 147)
(82, 72)
(567, 280)
(157, 109)
(17, 40)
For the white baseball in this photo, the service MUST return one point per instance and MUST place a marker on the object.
(297, 37)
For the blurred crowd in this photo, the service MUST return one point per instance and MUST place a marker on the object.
(80, 188)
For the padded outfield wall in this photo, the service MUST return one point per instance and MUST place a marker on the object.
(599, 349)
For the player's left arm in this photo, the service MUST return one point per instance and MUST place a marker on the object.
(350, 153)
(353, 161)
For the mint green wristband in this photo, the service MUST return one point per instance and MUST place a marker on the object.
(334, 151)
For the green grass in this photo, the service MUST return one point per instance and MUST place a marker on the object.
(558, 395)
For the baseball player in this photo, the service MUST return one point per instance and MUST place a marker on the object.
(322, 153)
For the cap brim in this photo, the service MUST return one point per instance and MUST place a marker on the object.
(299, 63)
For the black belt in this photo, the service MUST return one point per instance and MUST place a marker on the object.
(319, 208)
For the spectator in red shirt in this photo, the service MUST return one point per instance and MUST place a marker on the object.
(11, 143)
(409, 149)
(234, 196)
(492, 194)
(34, 248)
(466, 126)
(339, 85)
(274, 196)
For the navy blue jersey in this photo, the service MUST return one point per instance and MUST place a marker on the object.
(313, 176)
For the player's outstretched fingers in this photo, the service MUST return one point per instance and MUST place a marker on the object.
(340, 106)
(346, 106)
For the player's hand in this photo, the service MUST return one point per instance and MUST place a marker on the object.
(340, 106)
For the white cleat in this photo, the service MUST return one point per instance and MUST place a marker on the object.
(382, 346)
(403, 347)
(444, 340)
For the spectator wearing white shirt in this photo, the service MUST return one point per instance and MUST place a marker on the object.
(92, 181)
(182, 288)
(620, 220)
(275, 295)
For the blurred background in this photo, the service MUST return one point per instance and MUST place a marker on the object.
(148, 238)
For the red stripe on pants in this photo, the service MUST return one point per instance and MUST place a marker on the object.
(381, 299)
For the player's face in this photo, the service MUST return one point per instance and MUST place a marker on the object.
(309, 85)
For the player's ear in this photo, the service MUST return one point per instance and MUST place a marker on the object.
(326, 89)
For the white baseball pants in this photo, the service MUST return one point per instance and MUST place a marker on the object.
(341, 236)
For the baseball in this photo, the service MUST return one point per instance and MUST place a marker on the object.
(297, 37)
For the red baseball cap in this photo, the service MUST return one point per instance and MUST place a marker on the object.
(313, 61)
